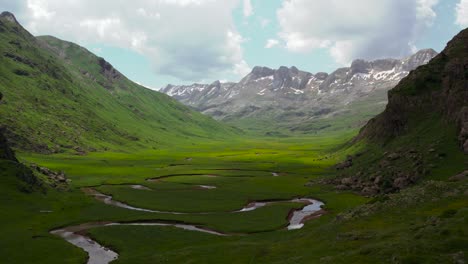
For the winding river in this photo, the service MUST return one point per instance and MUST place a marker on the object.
(98, 254)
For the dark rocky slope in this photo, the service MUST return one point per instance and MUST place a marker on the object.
(5, 151)
(438, 87)
(423, 132)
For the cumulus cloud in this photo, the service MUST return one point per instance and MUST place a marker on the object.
(355, 29)
(271, 43)
(462, 13)
(248, 8)
(186, 39)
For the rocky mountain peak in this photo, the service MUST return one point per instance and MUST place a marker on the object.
(360, 66)
(419, 58)
(321, 76)
(9, 16)
(294, 70)
(261, 72)
(215, 84)
(282, 73)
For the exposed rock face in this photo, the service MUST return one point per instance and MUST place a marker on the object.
(288, 93)
(5, 151)
(389, 175)
(438, 87)
(108, 70)
(9, 16)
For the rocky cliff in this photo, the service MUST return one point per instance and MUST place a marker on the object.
(421, 135)
(440, 87)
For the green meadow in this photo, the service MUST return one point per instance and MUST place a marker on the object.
(242, 172)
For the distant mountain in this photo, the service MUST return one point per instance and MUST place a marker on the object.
(292, 96)
(58, 96)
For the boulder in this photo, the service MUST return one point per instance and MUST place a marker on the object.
(342, 187)
(370, 191)
(460, 177)
(378, 180)
(401, 182)
(345, 164)
(393, 156)
(347, 181)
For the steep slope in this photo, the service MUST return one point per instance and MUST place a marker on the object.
(5, 151)
(296, 98)
(422, 134)
(12, 171)
(60, 97)
(440, 87)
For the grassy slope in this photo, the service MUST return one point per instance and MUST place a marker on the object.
(25, 227)
(51, 106)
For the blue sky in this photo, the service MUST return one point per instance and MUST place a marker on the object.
(156, 42)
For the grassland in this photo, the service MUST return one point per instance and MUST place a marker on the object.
(355, 229)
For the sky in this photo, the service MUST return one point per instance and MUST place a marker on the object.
(157, 42)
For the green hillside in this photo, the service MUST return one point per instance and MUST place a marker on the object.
(60, 97)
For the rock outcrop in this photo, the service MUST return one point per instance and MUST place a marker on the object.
(5, 150)
(439, 87)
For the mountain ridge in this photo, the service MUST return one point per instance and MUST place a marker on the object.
(290, 95)
(60, 97)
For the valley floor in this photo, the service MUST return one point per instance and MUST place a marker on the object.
(205, 183)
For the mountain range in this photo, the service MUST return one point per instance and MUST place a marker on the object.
(293, 97)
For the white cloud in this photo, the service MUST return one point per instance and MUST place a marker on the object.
(355, 29)
(271, 43)
(462, 13)
(97, 50)
(186, 39)
(39, 9)
(248, 8)
(425, 12)
(264, 22)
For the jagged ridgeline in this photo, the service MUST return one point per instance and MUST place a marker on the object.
(58, 96)
(299, 100)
